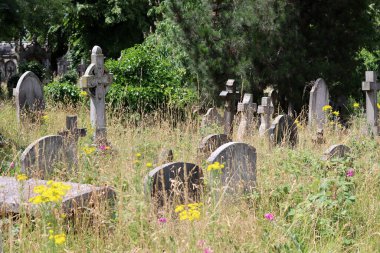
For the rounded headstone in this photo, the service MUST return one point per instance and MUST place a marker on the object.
(283, 131)
(211, 142)
(319, 97)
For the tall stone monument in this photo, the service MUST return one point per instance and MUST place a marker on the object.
(266, 111)
(229, 95)
(247, 108)
(371, 86)
(96, 82)
(319, 97)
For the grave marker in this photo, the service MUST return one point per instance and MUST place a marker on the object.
(239, 160)
(229, 95)
(319, 97)
(247, 109)
(96, 83)
(165, 156)
(211, 117)
(174, 182)
(28, 94)
(266, 111)
(336, 151)
(283, 131)
(371, 86)
(211, 142)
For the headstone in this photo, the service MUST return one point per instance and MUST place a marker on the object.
(71, 136)
(96, 82)
(336, 151)
(229, 95)
(371, 86)
(319, 97)
(14, 196)
(39, 158)
(266, 111)
(62, 65)
(283, 131)
(10, 69)
(165, 156)
(247, 109)
(29, 94)
(212, 117)
(174, 182)
(211, 142)
(239, 160)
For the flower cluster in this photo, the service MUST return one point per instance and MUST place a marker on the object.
(21, 177)
(83, 94)
(269, 216)
(57, 238)
(326, 108)
(89, 150)
(215, 166)
(104, 147)
(189, 212)
(51, 192)
(356, 105)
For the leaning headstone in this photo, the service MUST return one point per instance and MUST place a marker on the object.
(40, 157)
(239, 172)
(28, 94)
(14, 196)
(229, 95)
(165, 156)
(247, 109)
(336, 151)
(175, 182)
(371, 86)
(212, 117)
(266, 111)
(283, 131)
(211, 142)
(96, 82)
(319, 97)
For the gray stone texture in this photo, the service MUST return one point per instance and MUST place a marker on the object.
(336, 151)
(212, 117)
(211, 142)
(229, 95)
(319, 97)
(266, 111)
(371, 87)
(283, 131)
(247, 109)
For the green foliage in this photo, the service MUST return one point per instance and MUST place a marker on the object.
(66, 93)
(33, 66)
(145, 80)
(70, 76)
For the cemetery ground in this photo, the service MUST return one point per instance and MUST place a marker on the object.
(301, 203)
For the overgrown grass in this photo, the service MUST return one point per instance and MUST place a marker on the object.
(317, 208)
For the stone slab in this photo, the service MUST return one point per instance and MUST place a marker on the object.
(336, 151)
(283, 131)
(211, 142)
(15, 194)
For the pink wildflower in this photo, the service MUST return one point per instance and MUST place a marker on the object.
(207, 250)
(162, 220)
(12, 165)
(350, 173)
(269, 216)
(102, 147)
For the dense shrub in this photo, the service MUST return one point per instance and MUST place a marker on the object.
(66, 93)
(70, 76)
(33, 66)
(145, 80)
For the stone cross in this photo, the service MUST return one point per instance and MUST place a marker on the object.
(229, 95)
(265, 110)
(247, 108)
(371, 86)
(96, 82)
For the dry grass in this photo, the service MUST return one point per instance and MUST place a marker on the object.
(287, 181)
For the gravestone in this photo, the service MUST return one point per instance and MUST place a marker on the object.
(212, 117)
(96, 83)
(239, 172)
(283, 131)
(10, 69)
(247, 109)
(336, 151)
(39, 158)
(71, 136)
(319, 97)
(266, 111)
(14, 196)
(371, 86)
(174, 182)
(211, 142)
(229, 95)
(28, 94)
(165, 156)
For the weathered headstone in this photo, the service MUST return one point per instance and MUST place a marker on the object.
(71, 136)
(371, 86)
(96, 82)
(319, 97)
(10, 69)
(229, 95)
(212, 117)
(174, 182)
(266, 111)
(239, 160)
(165, 156)
(211, 142)
(247, 109)
(14, 195)
(283, 131)
(28, 94)
(336, 151)
(39, 158)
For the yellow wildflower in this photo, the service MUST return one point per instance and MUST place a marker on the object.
(83, 94)
(378, 106)
(21, 177)
(89, 150)
(138, 155)
(57, 238)
(149, 165)
(336, 113)
(215, 166)
(326, 108)
(53, 192)
(189, 212)
(356, 105)
(45, 117)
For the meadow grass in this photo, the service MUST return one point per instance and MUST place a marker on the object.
(316, 207)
